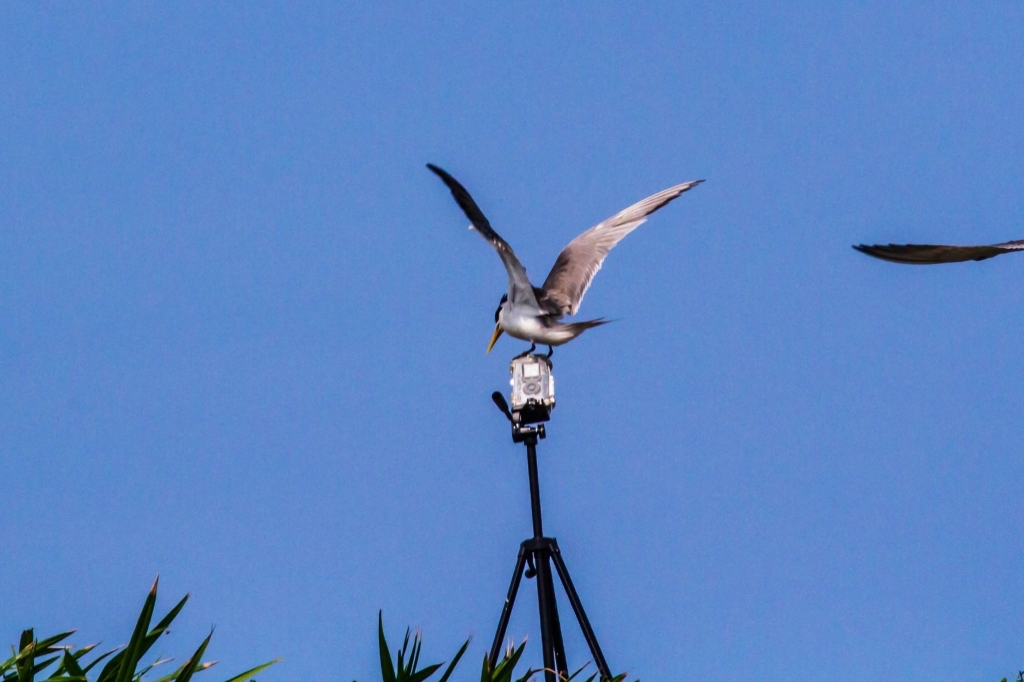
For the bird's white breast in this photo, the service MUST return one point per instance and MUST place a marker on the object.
(529, 326)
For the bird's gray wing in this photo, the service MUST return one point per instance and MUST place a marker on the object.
(579, 261)
(520, 291)
(926, 254)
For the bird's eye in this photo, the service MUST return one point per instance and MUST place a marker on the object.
(496, 314)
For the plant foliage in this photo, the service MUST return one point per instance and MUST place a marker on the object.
(405, 667)
(47, 660)
(502, 672)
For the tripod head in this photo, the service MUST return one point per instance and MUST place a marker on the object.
(521, 430)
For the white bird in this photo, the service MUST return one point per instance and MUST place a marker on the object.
(532, 314)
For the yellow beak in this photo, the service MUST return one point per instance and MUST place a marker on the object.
(494, 339)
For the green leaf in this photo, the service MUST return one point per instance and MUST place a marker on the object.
(455, 662)
(115, 670)
(502, 672)
(193, 663)
(71, 665)
(8, 664)
(248, 673)
(78, 653)
(578, 671)
(420, 675)
(508, 665)
(46, 645)
(43, 665)
(139, 674)
(133, 652)
(159, 629)
(74, 655)
(169, 677)
(387, 670)
(162, 626)
(25, 660)
(101, 657)
(26, 656)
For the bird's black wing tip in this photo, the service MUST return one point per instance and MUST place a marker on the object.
(906, 254)
(891, 252)
(446, 177)
(882, 251)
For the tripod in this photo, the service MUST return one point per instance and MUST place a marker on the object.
(538, 553)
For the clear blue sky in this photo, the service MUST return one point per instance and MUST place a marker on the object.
(242, 330)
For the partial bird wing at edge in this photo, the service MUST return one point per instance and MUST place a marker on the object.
(929, 254)
(579, 261)
(520, 291)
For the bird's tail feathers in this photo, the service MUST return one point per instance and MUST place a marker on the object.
(580, 327)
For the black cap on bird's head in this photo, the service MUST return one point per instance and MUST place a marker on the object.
(504, 298)
(497, 325)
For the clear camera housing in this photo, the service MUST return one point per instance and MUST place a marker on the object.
(533, 389)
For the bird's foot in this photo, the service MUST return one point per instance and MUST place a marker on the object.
(551, 351)
(533, 347)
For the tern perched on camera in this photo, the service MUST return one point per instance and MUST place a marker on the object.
(532, 314)
(929, 254)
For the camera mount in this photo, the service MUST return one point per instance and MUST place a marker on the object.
(538, 553)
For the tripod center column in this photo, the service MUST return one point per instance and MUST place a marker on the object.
(531, 460)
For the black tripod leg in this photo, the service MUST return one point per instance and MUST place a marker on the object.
(545, 597)
(556, 632)
(581, 615)
(556, 626)
(506, 610)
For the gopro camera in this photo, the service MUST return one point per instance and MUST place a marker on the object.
(533, 389)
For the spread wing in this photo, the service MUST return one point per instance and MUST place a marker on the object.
(925, 254)
(520, 291)
(582, 258)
